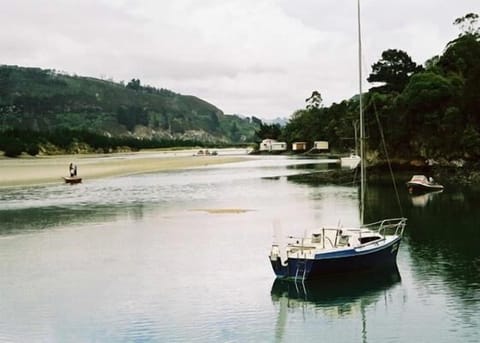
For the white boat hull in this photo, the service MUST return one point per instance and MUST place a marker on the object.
(351, 161)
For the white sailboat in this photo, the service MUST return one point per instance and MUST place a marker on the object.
(331, 250)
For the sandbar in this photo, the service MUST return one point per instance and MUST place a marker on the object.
(26, 171)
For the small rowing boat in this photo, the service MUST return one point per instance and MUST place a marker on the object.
(422, 184)
(72, 179)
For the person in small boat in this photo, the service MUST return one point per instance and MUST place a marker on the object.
(73, 169)
(430, 179)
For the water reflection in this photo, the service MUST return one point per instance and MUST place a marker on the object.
(316, 166)
(41, 218)
(422, 200)
(334, 297)
(442, 240)
(327, 174)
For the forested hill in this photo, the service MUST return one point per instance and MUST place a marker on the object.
(38, 100)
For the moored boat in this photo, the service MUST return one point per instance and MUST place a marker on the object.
(422, 184)
(338, 250)
(351, 161)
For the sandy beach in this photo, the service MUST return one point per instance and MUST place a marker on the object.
(50, 169)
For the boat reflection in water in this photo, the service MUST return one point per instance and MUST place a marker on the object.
(335, 297)
(423, 199)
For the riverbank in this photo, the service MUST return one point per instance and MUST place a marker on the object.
(450, 175)
(40, 170)
(456, 173)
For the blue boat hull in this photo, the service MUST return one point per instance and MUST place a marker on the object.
(338, 262)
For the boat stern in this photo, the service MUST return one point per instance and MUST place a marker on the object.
(280, 268)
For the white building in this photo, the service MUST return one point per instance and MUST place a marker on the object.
(299, 146)
(320, 145)
(272, 145)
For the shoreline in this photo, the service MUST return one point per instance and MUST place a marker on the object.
(41, 170)
(50, 169)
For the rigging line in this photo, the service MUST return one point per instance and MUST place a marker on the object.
(386, 155)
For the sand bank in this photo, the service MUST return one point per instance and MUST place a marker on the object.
(51, 169)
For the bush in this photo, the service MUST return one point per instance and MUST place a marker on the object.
(33, 150)
(13, 149)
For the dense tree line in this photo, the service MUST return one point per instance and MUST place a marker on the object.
(14, 142)
(428, 111)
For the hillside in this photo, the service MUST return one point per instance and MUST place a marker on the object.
(39, 100)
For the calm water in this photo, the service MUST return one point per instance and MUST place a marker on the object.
(146, 258)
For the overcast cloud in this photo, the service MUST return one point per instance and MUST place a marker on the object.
(250, 57)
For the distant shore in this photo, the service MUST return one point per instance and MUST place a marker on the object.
(25, 171)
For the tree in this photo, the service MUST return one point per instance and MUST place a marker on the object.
(256, 121)
(470, 140)
(13, 147)
(309, 125)
(471, 97)
(314, 101)
(461, 55)
(134, 84)
(214, 123)
(461, 60)
(425, 100)
(432, 63)
(132, 115)
(234, 133)
(394, 70)
(32, 149)
(265, 131)
(468, 24)
(382, 108)
(428, 91)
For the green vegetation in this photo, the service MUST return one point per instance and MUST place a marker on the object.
(41, 108)
(431, 111)
(14, 142)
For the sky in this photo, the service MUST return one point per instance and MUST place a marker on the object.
(248, 57)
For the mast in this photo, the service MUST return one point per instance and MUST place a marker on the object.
(362, 128)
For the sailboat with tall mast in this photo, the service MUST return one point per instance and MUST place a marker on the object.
(332, 250)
